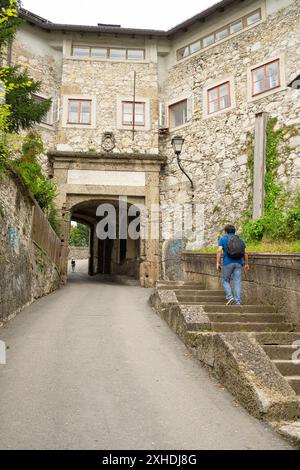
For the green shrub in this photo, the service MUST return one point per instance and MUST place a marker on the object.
(28, 167)
(281, 219)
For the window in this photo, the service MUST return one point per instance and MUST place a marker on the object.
(99, 53)
(81, 51)
(195, 47)
(208, 40)
(188, 50)
(219, 98)
(108, 53)
(182, 53)
(135, 54)
(117, 54)
(79, 111)
(221, 34)
(178, 114)
(253, 18)
(266, 77)
(48, 116)
(236, 26)
(133, 113)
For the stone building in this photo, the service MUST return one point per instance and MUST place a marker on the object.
(208, 79)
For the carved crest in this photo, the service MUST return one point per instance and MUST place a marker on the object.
(108, 141)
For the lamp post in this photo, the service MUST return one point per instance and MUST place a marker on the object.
(177, 144)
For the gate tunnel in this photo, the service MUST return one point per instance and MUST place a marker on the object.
(109, 253)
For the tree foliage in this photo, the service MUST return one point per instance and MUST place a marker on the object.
(79, 235)
(9, 21)
(25, 109)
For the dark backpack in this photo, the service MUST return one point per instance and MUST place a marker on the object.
(235, 247)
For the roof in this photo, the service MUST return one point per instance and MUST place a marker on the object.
(36, 20)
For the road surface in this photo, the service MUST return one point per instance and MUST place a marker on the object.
(92, 367)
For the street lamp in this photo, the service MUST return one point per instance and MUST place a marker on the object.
(177, 143)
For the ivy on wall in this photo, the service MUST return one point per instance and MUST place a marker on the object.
(281, 219)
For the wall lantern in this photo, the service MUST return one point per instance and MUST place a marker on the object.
(177, 144)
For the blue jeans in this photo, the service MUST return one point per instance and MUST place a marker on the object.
(234, 269)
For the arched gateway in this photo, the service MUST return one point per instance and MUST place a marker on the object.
(88, 180)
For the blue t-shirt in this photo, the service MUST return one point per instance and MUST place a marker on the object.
(226, 259)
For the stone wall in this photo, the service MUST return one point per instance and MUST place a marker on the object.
(107, 82)
(78, 253)
(273, 279)
(216, 148)
(26, 271)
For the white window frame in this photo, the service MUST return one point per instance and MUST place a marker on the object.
(282, 76)
(213, 84)
(119, 113)
(189, 97)
(66, 124)
(212, 30)
(50, 125)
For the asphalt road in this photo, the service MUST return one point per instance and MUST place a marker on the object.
(92, 367)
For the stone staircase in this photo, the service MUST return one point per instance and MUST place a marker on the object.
(281, 353)
(250, 347)
(229, 318)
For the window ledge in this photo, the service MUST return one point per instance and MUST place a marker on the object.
(113, 61)
(178, 128)
(219, 113)
(49, 127)
(265, 94)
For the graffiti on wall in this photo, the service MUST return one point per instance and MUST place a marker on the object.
(13, 236)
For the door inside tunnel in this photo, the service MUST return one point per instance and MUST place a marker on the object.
(111, 250)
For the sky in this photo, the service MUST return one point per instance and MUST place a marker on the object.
(152, 14)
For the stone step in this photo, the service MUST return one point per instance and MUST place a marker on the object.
(200, 293)
(287, 367)
(248, 327)
(216, 308)
(247, 317)
(279, 351)
(176, 286)
(294, 381)
(283, 338)
(184, 299)
(204, 303)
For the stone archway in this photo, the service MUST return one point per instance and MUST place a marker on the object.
(84, 177)
(114, 254)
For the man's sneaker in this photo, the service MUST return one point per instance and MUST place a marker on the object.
(230, 301)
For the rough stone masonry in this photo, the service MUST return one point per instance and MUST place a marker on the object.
(205, 79)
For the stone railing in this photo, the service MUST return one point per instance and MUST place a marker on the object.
(273, 279)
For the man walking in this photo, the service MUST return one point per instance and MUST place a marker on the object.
(73, 264)
(235, 258)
